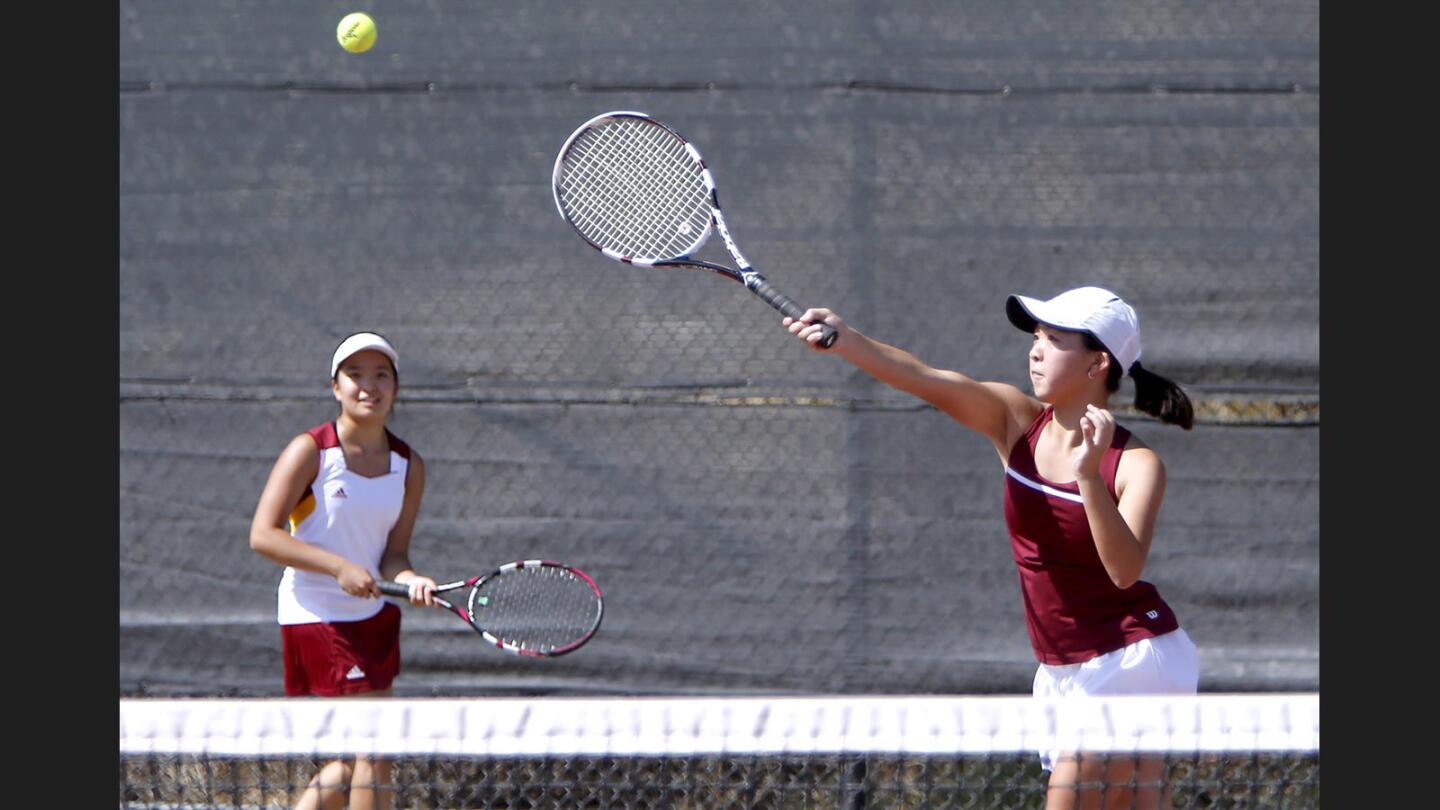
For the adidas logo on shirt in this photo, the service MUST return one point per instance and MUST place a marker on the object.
(340, 493)
(355, 672)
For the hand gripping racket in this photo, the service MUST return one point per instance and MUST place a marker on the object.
(641, 194)
(529, 607)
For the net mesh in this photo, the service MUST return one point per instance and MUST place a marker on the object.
(1234, 751)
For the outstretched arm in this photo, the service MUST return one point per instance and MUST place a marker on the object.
(995, 410)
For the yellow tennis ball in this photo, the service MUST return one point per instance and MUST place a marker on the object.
(356, 32)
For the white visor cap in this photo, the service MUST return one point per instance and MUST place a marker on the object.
(359, 342)
(1084, 309)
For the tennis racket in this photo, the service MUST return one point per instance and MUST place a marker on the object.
(533, 608)
(641, 194)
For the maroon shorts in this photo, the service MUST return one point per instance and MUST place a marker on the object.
(341, 658)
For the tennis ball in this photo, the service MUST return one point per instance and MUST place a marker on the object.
(356, 32)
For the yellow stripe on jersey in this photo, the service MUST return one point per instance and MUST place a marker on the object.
(302, 510)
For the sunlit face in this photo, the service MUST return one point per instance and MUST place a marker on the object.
(1060, 364)
(365, 385)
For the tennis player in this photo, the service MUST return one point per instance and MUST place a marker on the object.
(337, 512)
(1081, 497)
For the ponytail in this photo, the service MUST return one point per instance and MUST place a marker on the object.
(1155, 395)
(1161, 398)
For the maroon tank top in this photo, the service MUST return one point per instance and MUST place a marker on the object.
(1072, 609)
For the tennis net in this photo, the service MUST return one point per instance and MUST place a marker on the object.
(1211, 751)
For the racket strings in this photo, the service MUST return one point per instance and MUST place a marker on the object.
(632, 187)
(647, 169)
(635, 173)
(637, 164)
(536, 608)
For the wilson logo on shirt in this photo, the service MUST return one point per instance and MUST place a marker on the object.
(1152, 614)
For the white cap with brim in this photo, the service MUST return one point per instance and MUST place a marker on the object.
(359, 342)
(1084, 309)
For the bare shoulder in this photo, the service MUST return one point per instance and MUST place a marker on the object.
(294, 470)
(301, 449)
(1022, 409)
(1139, 462)
(1137, 448)
(1018, 401)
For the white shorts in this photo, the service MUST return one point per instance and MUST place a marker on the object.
(1167, 664)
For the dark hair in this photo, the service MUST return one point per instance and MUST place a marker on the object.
(1154, 394)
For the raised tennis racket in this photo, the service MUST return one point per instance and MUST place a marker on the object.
(534, 608)
(641, 194)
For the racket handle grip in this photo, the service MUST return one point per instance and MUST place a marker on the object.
(393, 588)
(788, 307)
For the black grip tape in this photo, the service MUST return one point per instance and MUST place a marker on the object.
(394, 588)
(789, 308)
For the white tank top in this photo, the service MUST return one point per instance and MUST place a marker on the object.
(347, 514)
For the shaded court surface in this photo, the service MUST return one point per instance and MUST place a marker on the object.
(762, 518)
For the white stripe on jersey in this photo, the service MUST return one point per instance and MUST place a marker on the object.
(1048, 490)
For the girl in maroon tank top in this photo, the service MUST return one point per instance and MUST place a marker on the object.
(1081, 499)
